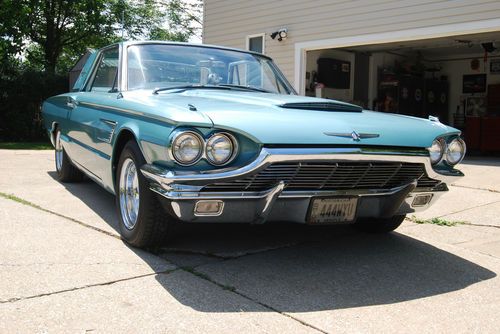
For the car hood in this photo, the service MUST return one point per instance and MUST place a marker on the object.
(261, 117)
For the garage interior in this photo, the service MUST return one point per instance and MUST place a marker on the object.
(454, 78)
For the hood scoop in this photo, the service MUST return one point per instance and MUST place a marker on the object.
(322, 106)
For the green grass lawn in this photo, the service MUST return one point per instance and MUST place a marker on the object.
(26, 146)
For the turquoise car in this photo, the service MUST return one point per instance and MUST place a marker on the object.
(186, 133)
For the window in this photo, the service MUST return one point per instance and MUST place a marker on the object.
(106, 73)
(256, 43)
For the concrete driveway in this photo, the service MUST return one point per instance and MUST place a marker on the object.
(63, 267)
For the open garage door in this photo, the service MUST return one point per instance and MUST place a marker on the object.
(454, 78)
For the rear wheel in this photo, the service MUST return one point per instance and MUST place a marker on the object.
(379, 225)
(143, 222)
(66, 172)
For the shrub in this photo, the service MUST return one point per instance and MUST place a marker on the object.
(22, 92)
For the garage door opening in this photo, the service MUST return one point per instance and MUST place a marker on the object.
(454, 78)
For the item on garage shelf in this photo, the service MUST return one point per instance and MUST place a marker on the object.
(334, 73)
(474, 64)
(476, 106)
(494, 100)
(474, 83)
(410, 95)
(495, 66)
(436, 99)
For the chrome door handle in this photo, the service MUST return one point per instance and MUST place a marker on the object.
(71, 103)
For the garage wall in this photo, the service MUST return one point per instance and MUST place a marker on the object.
(228, 22)
(455, 69)
(341, 94)
(377, 60)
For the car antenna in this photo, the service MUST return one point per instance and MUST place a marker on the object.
(123, 19)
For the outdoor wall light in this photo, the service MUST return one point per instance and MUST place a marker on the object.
(281, 34)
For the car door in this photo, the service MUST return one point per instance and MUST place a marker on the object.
(90, 126)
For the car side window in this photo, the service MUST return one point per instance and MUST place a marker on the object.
(106, 74)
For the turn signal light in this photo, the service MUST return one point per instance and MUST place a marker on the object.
(421, 200)
(208, 208)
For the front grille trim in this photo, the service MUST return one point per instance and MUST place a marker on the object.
(330, 176)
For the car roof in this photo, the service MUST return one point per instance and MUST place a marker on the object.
(128, 43)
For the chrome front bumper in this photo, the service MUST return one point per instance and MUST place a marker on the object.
(183, 190)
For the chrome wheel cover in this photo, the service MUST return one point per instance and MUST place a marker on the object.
(129, 193)
(59, 152)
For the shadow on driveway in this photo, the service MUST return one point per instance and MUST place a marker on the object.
(295, 268)
(334, 269)
(96, 198)
(481, 161)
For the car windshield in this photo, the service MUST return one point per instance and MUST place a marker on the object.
(164, 66)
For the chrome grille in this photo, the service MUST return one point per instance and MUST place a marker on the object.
(330, 176)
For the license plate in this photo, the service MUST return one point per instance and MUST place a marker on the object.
(332, 210)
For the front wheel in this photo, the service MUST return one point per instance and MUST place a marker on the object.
(143, 222)
(379, 225)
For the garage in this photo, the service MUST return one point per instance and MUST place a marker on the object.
(454, 78)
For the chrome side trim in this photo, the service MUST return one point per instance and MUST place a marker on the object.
(112, 125)
(267, 156)
(127, 111)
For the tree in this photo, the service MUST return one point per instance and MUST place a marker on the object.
(185, 18)
(41, 39)
(45, 31)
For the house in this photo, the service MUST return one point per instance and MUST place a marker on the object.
(414, 57)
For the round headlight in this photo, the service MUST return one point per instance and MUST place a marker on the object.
(187, 148)
(436, 151)
(455, 151)
(220, 149)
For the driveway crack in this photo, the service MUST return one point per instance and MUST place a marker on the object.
(476, 188)
(470, 208)
(232, 289)
(166, 251)
(17, 299)
(35, 206)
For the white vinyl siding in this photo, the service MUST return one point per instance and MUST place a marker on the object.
(228, 22)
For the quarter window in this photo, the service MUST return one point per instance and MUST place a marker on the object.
(106, 73)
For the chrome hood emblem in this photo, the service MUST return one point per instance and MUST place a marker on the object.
(354, 135)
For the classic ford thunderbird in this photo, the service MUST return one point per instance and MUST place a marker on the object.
(193, 133)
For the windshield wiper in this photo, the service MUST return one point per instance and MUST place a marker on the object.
(185, 87)
(252, 88)
(221, 86)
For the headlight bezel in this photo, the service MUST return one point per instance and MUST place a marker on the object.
(462, 152)
(442, 144)
(203, 138)
(177, 137)
(445, 142)
(234, 148)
